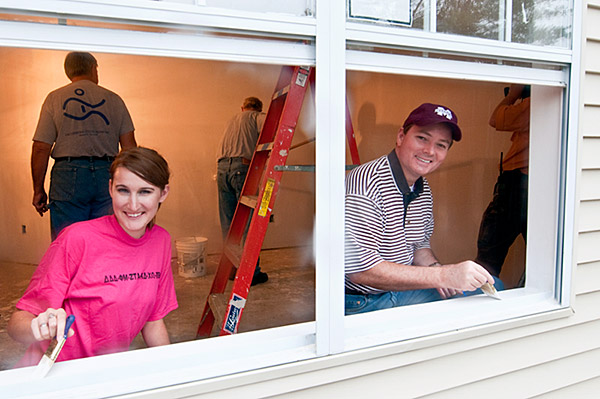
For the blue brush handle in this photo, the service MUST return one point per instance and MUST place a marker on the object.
(70, 321)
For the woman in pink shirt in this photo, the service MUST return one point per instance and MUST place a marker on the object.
(113, 273)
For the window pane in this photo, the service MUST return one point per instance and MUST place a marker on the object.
(483, 180)
(477, 18)
(542, 22)
(180, 107)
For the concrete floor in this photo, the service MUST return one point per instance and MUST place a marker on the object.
(291, 276)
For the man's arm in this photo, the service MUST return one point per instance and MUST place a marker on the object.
(40, 154)
(127, 141)
(514, 93)
(388, 276)
(426, 257)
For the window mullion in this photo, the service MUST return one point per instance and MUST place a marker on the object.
(330, 160)
(508, 21)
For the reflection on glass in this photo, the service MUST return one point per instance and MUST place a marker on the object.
(542, 22)
(476, 18)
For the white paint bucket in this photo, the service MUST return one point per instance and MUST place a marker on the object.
(191, 256)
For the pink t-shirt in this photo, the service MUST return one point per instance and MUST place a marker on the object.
(112, 283)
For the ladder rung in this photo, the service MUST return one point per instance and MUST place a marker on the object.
(264, 147)
(233, 253)
(280, 93)
(302, 168)
(295, 168)
(249, 200)
(218, 305)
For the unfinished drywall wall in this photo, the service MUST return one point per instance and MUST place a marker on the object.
(180, 108)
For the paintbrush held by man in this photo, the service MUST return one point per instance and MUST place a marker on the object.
(112, 273)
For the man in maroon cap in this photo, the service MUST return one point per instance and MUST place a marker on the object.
(389, 222)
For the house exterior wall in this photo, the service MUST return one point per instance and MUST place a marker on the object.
(556, 358)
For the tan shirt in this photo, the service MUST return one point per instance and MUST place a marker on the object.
(515, 118)
(241, 135)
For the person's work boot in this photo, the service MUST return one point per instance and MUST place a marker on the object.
(259, 278)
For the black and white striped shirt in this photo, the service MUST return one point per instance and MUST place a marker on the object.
(379, 227)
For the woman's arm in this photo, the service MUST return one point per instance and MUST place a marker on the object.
(155, 333)
(19, 327)
(27, 328)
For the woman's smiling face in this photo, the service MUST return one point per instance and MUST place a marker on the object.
(135, 201)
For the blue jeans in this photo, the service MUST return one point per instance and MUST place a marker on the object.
(78, 192)
(361, 303)
(231, 175)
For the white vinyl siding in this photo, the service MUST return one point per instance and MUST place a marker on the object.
(587, 276)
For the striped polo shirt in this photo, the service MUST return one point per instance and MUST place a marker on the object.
(385, 220)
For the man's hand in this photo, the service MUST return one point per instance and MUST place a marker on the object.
(40, 202)
(514, 93)
(446, 293)
(40, 154)
(464, 276)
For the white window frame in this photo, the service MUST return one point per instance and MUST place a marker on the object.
(153, 13)
(200, 366)
(540, 298)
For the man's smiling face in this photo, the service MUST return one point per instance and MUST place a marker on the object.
(422, 149)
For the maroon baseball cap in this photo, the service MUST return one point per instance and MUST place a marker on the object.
(430, 114)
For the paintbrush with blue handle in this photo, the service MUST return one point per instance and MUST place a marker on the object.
(47, 362)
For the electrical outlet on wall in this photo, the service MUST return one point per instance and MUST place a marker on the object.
(23, 229)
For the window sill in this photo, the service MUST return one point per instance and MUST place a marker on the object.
(450, 320)
(154, 368)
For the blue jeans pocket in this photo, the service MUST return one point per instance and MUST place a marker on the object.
(355, 303)
(238, 177)
(62, 183)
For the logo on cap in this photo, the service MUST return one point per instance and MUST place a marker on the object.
(441, 111)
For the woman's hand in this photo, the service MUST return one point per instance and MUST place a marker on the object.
(49, 324)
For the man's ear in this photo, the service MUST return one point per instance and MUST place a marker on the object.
(400, 137)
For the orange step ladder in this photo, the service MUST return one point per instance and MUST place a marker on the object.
(257, 200)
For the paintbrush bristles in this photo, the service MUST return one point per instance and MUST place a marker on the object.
(43, 367)
(57, 349)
